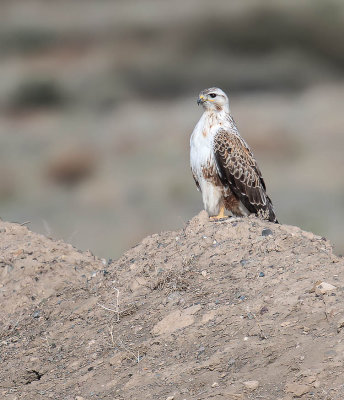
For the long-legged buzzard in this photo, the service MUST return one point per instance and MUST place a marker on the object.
(223, 165)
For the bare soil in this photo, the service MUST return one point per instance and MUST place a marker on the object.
(230, 310)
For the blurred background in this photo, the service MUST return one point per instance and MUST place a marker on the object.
(98, 101)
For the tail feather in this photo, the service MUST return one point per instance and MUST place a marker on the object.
(272, 216)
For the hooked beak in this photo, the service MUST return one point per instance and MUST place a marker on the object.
(200, 100)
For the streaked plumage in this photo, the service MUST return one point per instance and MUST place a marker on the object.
(223, 165)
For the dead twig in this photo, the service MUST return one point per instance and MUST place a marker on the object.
(25, 223)
(325, 311)
(116, 310)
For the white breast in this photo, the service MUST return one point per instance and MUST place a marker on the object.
(200, 147)
(201, 157)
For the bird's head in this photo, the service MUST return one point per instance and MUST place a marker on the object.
(213, 99)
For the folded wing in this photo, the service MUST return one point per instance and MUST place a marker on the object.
(239, 170)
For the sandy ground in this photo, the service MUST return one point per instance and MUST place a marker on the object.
(231, 310)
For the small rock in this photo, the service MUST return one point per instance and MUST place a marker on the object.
(170, 398)
(79, 398)
(324, 288)
(308, 235)
(214, 385)
(267, 232)
(204, 273)
(250, 315)
(208, 316)
(36, 314)
(243, 262)
(261, 274)
(330, 353)
(251, 385)
(297, 389)
(174, 297)
(340, 325)
(231, 362)
(310, 379)
(263, 310)
(178, 319)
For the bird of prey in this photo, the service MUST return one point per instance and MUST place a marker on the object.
(223, 166)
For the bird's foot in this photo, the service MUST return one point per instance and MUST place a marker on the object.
(220, 217)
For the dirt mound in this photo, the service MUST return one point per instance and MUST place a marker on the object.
(241, 309)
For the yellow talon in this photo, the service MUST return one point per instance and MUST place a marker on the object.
(221, 215)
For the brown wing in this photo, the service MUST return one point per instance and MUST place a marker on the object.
(239, 170)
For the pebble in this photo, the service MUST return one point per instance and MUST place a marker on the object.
(263, 310)
(36, 314)
(243, 262)
(340, 325)
(267, 232)
(231, 362)
(261, 274)
(170, 398)
(214, 385)
(324, 287)
(204, 273)
(252, 385)
(297, 389)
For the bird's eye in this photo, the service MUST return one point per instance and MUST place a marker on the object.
(212, 95)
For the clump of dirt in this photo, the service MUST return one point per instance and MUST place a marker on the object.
(240, 309)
